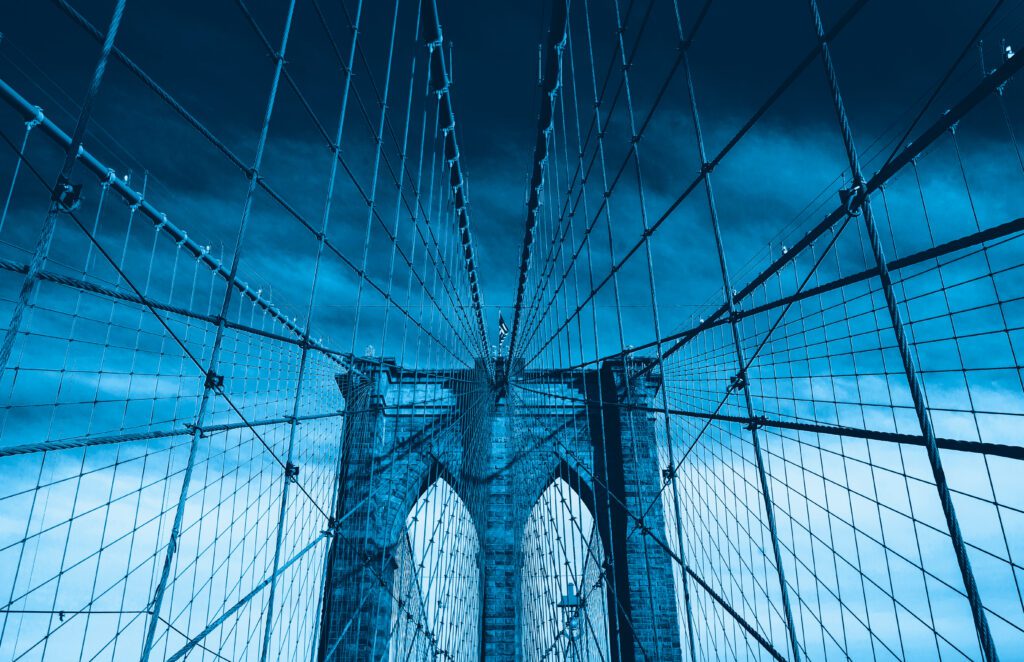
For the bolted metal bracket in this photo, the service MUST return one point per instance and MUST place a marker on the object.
(213, 380)
(852, 198)
(68, 196)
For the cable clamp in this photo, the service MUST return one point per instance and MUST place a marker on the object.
(756, 423)
(706, 168)
(738, 382)
(36, 120)
(68, 196)
(852, 199)
(667, 474)
(291, 472)
(213, 380)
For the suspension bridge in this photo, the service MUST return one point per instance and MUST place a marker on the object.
(752, 388)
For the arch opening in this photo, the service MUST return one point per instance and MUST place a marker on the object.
(436, 589)
(564, 603)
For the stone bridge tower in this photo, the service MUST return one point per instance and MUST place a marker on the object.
(500, 442)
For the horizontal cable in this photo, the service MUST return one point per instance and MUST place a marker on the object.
(160, 221)
(85, 442)
(985, 448)
(988, 85)
(240, 165)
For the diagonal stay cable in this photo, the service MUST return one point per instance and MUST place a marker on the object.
(441, 86)
(414, 187)
(744, 368)
(794, 74)
(152, 309)
(180, 237)
(165, 96)
(569, 207)
(945, 79)
(61, 187)
(335, 148)
(550, 86)
(639, 525)
(925, 139)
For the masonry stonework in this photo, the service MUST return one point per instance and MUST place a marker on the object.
(499, 446)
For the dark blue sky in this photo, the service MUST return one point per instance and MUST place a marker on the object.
(209, 58)
(778, 182)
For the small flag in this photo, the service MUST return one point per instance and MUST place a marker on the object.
(502, 329)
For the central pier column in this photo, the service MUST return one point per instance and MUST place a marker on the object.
(500, 518)
(641, 587)
(357, 612)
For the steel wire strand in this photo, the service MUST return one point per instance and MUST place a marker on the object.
(232, 158)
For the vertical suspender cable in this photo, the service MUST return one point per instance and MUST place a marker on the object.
(441, 85)
(545, 125)
(304, 358)
(212, 383)
(64, 194)
(740, 381)
(861, 202)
